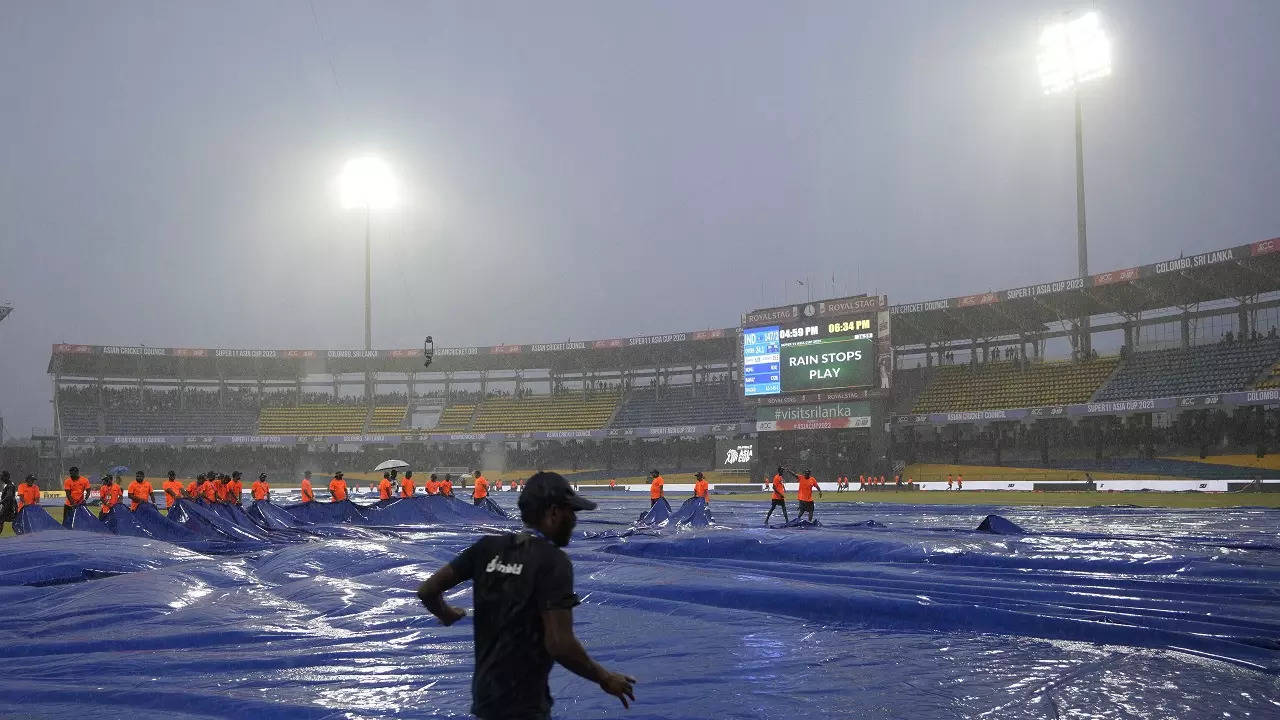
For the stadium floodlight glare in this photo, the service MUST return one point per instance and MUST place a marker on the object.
(1073, 52)
(366, 183)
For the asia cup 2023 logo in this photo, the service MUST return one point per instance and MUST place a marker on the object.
(738, 455)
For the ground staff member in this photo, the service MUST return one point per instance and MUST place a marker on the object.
(172, 489)
(804, 494)
(28, 492)
(408, 488)
(139, 491)
(701, 488)
(779, 499)
(76, 489)
(655, 488)
(110, 494)
(480, 490)
(308, 495)
(337, 488)
(384, 488)
(524, 604)
(261, 490)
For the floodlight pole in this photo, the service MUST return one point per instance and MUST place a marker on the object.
(369, 274)
(1082, 249)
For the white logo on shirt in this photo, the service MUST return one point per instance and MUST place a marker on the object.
(508, 568)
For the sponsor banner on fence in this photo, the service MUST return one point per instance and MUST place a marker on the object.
(834, 423)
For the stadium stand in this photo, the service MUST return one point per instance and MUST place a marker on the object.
(1224, 367)
(566, 411)
(80, 420)
(455, 418)
(175, 422)
(1271, 379)
(312, 420)
(387, 418)
(997, 385)
(678, 405)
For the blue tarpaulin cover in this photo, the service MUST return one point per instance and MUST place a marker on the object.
(1099, 612)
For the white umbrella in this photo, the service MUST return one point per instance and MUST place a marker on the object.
(392, 465)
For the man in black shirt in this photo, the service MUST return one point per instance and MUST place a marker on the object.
(524, 599)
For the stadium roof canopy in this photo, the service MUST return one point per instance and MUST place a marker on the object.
(1240, 272)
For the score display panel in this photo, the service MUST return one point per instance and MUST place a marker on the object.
(809, 355)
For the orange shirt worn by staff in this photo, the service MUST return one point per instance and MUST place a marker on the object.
(779, 490)
(701, 489)
(432, 485)
(28, 494)
(446, 486)
(307, 494)
(110, 495)
(408, 488)
(655, 489)
(337, 489)
(209, 490)
(481, 489)
(77, 489)
(235, 490)
(139, 492)
(805, 492)
(384, 489)
(172, 491)
(260, 489)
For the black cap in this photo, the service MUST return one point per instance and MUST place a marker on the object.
(235, 473)
(262, 476)
(546, 489)
(698, 475)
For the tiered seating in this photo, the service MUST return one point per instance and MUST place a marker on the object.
(181, 422)
(1191, 371)
(312, 420)
(678, 405)
(1004, 385)
(387, 418)
(455, 418)
(1272, 378)
(567, 411)
(79, 420)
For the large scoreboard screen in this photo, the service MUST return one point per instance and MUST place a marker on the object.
(812, 354)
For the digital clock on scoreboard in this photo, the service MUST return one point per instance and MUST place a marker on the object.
(808, 355)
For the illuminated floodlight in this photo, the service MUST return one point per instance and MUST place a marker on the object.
(1073, 52)
(367, 183)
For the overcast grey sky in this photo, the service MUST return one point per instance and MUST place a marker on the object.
(583, 170)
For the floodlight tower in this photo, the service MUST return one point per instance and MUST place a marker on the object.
(1071, 53)
(366, 184)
